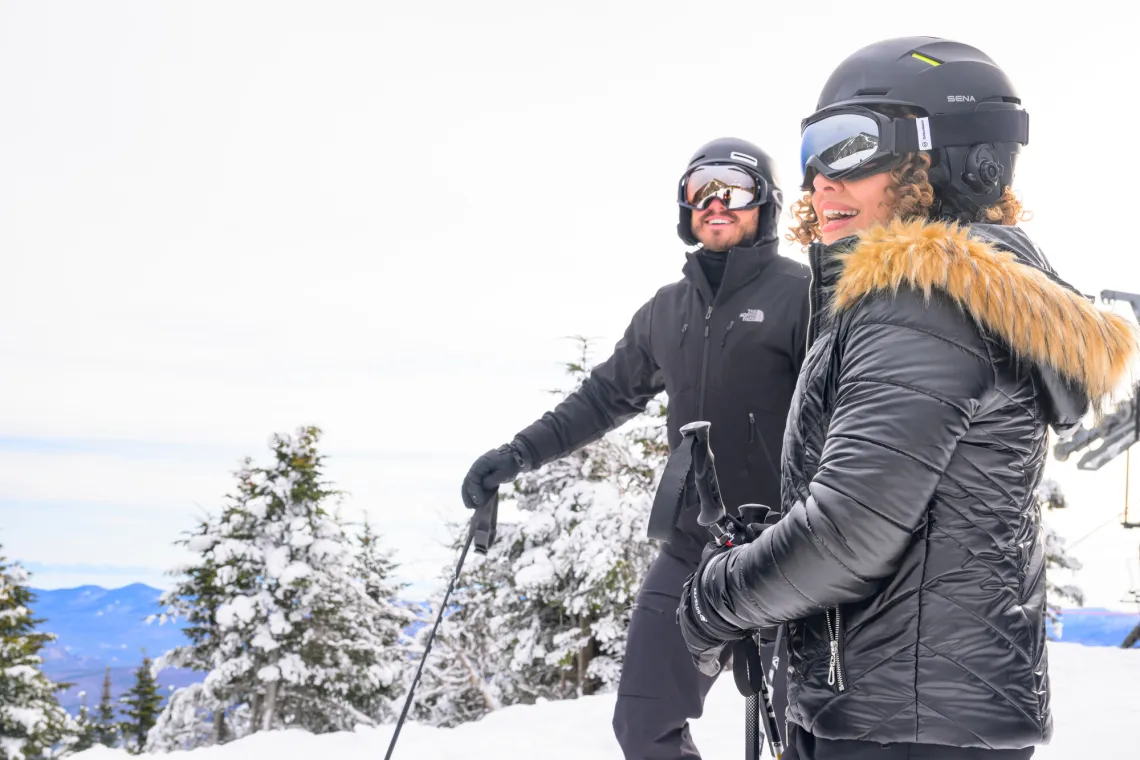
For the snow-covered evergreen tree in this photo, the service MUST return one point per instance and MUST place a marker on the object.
(545, 613)
(32, 723)
(463, 676)
(1057, 558)
(106, 725)
(141, 705)
(289, 632)
(197, 715)
(375, 568)
(86, 730)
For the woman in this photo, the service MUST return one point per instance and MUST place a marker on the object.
(909, 562)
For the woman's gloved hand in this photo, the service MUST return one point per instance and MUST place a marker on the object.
(706, 634)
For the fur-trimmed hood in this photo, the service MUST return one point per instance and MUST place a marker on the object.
(1003, 282)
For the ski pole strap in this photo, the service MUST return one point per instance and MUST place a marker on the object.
(483, 524)
(747, 667)
(776, 653)
(670, 496)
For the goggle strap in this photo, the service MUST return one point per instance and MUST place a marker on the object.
(945, 130)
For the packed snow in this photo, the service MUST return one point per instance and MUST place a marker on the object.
(1096, 709)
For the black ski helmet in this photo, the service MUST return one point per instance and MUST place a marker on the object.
(749, 157)
(971, 108)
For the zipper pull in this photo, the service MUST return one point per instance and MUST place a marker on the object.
(708, 314)
(684, 329)
(726, 332)
(751, 427)
(834, 663)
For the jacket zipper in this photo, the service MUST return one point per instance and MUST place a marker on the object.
(726, 332)
(704, 368)
(835, 633)
(753, 437)
(812, 305)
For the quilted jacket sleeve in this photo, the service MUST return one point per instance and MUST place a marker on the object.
(911, 377)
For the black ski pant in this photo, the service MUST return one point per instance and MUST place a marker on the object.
(660, 689)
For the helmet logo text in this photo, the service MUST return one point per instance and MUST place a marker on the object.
(745, 158)
(925, 140)
(960, 99)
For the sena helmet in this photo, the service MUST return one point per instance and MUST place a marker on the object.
(920, 94)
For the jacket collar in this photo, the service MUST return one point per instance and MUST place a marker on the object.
(1001, 281)
(826, 266)
(744, 265)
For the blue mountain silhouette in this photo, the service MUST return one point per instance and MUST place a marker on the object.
(97, 628)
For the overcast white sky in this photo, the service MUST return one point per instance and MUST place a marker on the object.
(224, 219)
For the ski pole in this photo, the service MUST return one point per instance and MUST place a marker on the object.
(728, 531)
(481, 532)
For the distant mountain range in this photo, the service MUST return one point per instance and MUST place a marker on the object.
(99, 628)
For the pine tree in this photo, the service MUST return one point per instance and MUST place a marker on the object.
(582, 553)
(545, 613)
(86, 728)
(141, 705)
(32, 723)
(375, 568)
(463, 677)
(106, 724)
(288, 632)
(1050, 497)
(188, 721)
(197, 715)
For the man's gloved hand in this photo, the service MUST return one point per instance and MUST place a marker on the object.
(497, 466)
(706, 634)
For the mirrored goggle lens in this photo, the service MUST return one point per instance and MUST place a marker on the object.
(840, 141)
(734, 187)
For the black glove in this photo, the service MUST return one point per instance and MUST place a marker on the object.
(706, 634)
(497, 466)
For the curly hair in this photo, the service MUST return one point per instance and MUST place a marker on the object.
(911, 195)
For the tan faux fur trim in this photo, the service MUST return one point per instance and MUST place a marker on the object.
(1039, 319)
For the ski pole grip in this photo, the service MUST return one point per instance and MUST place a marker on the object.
(704, 474)
(484, 523)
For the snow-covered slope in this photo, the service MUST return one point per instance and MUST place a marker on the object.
(1096, 709)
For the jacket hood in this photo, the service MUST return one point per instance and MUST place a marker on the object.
(1083, 354)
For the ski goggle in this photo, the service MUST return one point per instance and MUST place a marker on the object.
(854, 142)
(735, 187)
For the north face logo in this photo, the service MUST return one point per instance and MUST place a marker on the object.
(752, 315)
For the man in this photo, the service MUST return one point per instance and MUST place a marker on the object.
(725, 343)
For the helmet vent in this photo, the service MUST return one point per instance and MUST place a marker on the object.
(926, 59)
(872, 91)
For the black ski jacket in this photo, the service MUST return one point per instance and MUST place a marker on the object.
(909, 559)
(731, 360)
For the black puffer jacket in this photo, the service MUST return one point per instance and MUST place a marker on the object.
(910, 555)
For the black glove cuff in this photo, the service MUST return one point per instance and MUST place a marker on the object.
(521, 453)
(713, 624)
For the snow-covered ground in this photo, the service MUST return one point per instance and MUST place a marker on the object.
(1096, 698)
